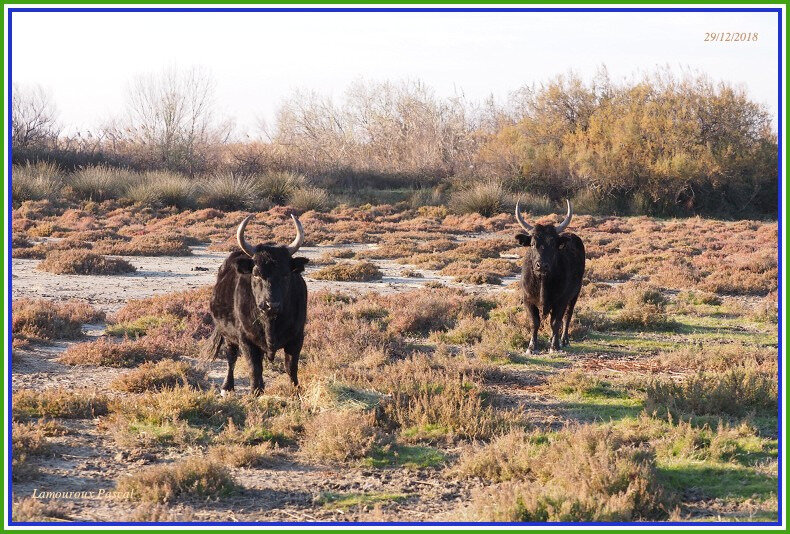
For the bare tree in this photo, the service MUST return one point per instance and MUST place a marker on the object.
(173, 113)
(33, 117)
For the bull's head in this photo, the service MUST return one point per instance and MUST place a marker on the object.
(543, 242)
(271, 268)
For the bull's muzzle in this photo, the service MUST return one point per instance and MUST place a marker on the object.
(271, 309)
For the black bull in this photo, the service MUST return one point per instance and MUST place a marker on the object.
(259, 306)
(551, 276)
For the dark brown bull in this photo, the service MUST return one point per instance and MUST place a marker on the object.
(259, 306)
(551, 275)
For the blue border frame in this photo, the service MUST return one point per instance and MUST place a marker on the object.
(97, 524)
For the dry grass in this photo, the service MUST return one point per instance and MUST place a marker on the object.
(85, 262)
(447, 397)
(30, 509)
(338, 436)
(193, 477)
(186, 311)
(249, 456)
(736, 392)
(28, 441)
(719, 358)
(163, 374)
(583, 474)
(181, 416)
(128, 353)
(58, 403)
(362, 271)
(43, 319)
(159, 513)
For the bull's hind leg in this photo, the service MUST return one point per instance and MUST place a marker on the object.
(229, 383)
(534, 315)
(292, 351)
(568, 315)
(254, 357)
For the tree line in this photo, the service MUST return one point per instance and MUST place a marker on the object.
(661, 144)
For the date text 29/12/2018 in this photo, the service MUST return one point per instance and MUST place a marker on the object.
(731, 36)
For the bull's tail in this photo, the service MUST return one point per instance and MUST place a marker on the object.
(212, 346)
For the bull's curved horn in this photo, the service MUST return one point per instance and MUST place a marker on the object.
(246, 247)
(299, 239)
(564, 224)
(520, 219)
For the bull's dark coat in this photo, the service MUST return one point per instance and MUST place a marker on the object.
(259, 305)
(551, 279)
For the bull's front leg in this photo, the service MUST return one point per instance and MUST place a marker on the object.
(229, 384)
(556, 323)
(534, 316)
(292, 351)
(254, 357)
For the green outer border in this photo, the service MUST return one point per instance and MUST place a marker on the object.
(613, 3)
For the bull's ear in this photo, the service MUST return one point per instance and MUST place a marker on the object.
(563, 240)
(244, 265)
(523, 239)
(297, 264)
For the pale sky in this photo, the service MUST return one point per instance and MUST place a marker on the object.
(86, 60)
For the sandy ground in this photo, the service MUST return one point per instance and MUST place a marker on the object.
(165, 274)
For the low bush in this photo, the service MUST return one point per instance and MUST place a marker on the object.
(486, 198)
(309, 198)
(30, 509)
(194, 477)
(44, 319)
(259, 455)
(58, 403)
(99, 183)
(180, 415)
(38, 181)
(279, 187)
(362, 271)
(582, 474)
(736, 392)
(85, 262)
(338, 436)
(163, 189)
(128, 353)
(164, 374)
(230, 192)
(145, 245)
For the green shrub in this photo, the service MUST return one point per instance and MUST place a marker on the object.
(229, 192)
(99, 183)
(37, 181)
(309, 198)
(486, 198)
(279, 187)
